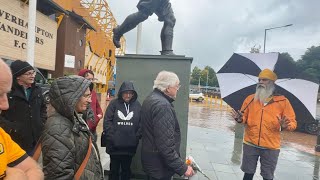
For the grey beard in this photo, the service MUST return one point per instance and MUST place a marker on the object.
(263, 93)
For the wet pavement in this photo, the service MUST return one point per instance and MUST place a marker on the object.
(215, 142)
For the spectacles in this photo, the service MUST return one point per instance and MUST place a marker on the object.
(87, 96)
(32, 73)
(177, 87)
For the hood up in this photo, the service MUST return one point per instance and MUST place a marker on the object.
(65, 92)
(127, 86)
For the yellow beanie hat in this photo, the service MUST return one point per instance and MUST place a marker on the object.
(268, 74)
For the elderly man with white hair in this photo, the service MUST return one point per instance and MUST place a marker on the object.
(161, 135)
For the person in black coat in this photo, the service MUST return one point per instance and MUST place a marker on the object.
(27, 113)
(122, 127)
(161, 137)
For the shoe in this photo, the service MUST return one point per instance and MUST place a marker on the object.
(116, 37)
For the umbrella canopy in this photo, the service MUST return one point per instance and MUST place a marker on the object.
(239, 76)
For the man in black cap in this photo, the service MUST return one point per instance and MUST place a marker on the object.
(27, 113)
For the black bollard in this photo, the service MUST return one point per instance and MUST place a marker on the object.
(317, 148)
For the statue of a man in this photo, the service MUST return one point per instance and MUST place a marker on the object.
(162, 8)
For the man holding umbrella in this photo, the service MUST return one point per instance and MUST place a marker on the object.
(265, 114)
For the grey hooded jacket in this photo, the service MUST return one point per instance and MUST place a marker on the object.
(65, 138)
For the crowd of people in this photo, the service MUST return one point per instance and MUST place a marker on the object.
(67, 138)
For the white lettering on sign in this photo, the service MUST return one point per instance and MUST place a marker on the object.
(14, 34)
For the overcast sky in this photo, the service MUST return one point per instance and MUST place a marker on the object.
(210, 31)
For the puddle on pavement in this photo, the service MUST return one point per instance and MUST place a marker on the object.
(213, 117)
(207, 117)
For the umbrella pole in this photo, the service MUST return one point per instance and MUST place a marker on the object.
(317, 148)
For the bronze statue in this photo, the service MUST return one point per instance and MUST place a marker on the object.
(162, 8)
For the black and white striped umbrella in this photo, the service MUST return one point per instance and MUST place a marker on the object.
(239, 76)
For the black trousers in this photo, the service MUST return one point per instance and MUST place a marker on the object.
(120, 167)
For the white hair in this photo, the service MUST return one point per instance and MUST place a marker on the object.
(165, 79)
(263, 92)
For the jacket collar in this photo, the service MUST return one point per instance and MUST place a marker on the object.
(276, 98)
(79, 124)
(18, 90)
(163, 94)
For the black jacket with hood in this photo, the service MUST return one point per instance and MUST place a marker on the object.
(25, 119)
(65, 138)
(122, 123)
(161, 137)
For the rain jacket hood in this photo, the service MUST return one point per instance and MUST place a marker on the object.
(127, 86)
(65, 92)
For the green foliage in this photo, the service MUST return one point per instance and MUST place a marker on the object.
(287, 56)
(207, 74)
(195, 75)
(309, 63)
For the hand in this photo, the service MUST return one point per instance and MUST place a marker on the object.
(99, 116)
(236, 115)
(189, 172)
(283, 121)
(15, 173)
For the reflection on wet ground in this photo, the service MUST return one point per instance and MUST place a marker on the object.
(202, 115)
(214, 140)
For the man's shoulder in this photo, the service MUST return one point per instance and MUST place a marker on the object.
(155, 99)
(251, 96)
(2, 133)
(37, 88)
(279, 97)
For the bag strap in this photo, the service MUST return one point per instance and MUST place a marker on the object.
(79, 172)
(84, 162)
(37, 151)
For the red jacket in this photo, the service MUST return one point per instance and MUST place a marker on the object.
(94, 105)
(96, 109)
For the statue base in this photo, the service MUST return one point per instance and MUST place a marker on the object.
(142, 71)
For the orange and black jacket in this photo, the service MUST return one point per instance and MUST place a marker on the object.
(262, 124)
